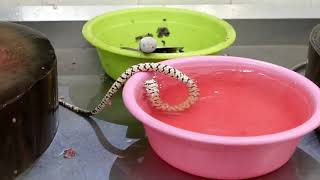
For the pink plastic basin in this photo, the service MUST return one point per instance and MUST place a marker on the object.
(223, 157)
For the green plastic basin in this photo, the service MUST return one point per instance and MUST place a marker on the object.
(198, 33)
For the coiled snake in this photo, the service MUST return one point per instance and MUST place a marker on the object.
(151, 87)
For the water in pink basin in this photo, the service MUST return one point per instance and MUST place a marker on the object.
(234, 101)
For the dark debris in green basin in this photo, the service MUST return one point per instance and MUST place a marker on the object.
(138, 38)
(163, 32)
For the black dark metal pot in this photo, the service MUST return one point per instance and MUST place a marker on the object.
(313, 65)
(28, 97)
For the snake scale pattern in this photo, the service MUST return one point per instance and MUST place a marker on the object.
(151, 86)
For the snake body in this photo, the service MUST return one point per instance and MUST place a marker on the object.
(151, 87)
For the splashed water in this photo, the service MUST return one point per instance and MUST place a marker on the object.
(234, 101)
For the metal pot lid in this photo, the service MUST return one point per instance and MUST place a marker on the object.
(26, 56)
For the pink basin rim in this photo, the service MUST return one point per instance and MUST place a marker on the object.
(311, 124)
